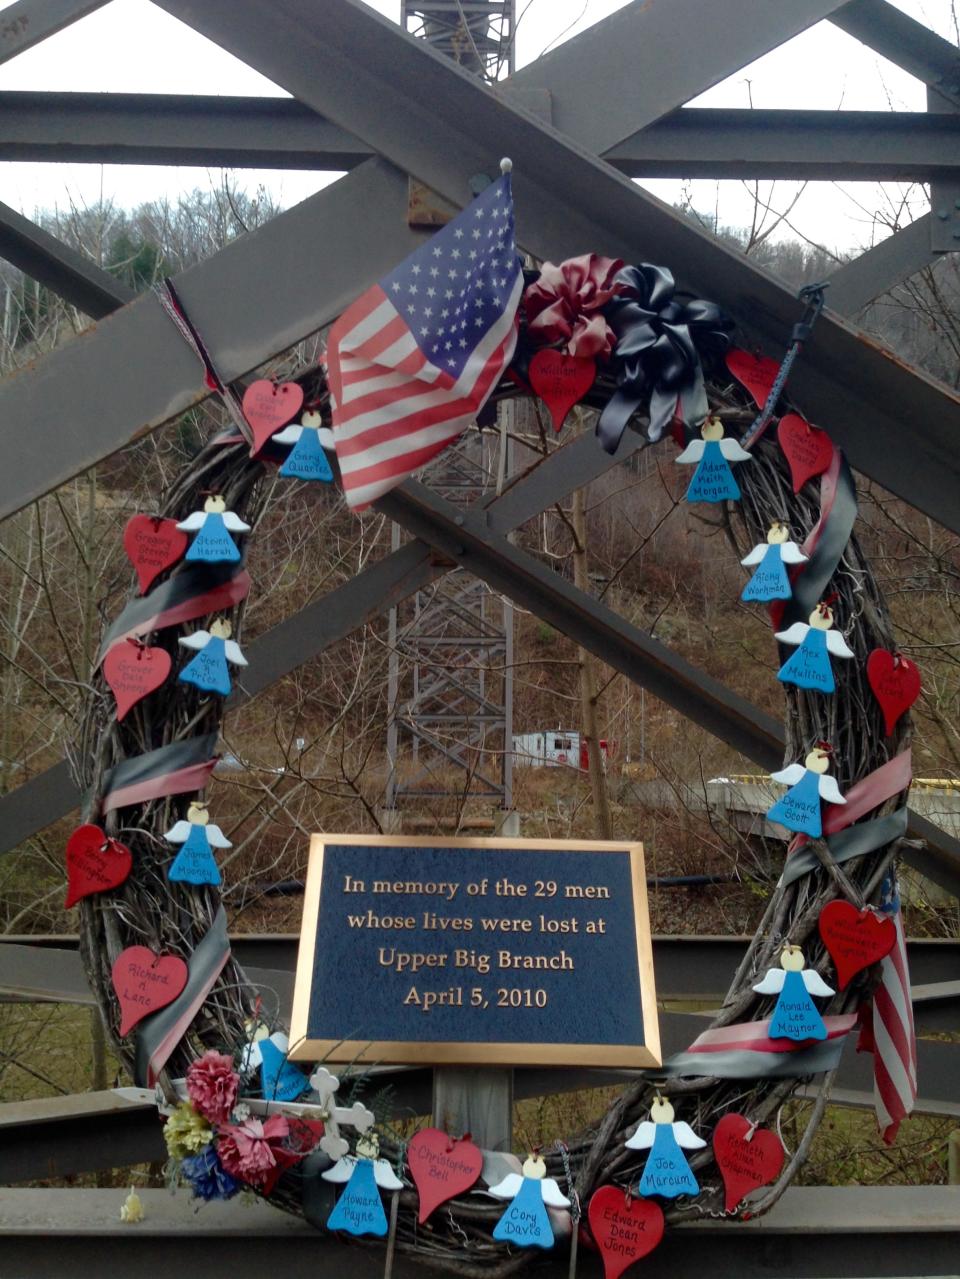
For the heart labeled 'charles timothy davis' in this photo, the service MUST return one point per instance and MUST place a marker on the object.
(855, 938)
(269, 405)
(895, 683)
(748, 1157)
(133, 670)
(144, 982)
(95, 863)
(561, 381)
(624, 1228)
(442, 1167)
(152, 544)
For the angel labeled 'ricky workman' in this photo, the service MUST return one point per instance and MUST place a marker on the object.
(213, 526)
(795, 1016)
(359, 1210)
(208, 670)
(526, 1221)
(770, 580)
(307, 460)
(809, 667)
(667, 1172)
(198, 836)
(809, 782)
(713, 479)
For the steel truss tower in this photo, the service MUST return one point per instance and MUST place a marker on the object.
(476, 33)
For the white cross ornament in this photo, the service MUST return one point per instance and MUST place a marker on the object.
(355, 1116)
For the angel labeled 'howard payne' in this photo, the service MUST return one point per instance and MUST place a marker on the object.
(359, 1210)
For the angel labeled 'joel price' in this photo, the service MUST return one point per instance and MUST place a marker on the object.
(198, 836)
(795, 1016)
(770, 580)
(526, 1221)
(809, 666)
(809, 782)
(359, 1210)
(208, 670)
(713, 479)
(213, 526)
(306, 460)
(666, 1172)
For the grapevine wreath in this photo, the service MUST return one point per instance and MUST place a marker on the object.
(643, 358)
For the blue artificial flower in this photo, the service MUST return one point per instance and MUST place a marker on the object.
(208, 1177)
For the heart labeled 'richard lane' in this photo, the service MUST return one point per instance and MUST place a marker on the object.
(895, 683)
(144, 982)
(808, 450)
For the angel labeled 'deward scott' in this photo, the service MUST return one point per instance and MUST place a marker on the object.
(770, 580)
(809, 667)
(198, 836)
(208, 670)
(809, 782)
(795, 1015)
(713, 479)
(667, 1172)
(213, 526)
(359, 1210)
(526, 1221)
(307, 460)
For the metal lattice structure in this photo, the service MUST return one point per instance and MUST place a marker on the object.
(479, 35)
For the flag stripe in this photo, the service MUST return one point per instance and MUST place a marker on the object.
(894, 1039)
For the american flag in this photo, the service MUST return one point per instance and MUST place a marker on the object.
(892, 1037)
(413, 360)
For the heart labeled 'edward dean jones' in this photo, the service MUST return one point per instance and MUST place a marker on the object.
(145, 982)
(623, 1228)
(95, 863)
(442, 1167)
(747, 1157)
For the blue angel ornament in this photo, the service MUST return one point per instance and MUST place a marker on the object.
(280, 1080)
(359, 1210)
(213, 526)
(809, 667)
(713, 479)
(208, 670)
(770, 580)
(799, 809)
(526, 1222)
(795, 1015)
(666, 1172)
(307, 460)
(194, 864)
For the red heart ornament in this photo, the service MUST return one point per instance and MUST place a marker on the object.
(442, 1167)
(561, 381)
(623, 1231)
(152, 544)
(895, 683)
(133, 670)
(744, 1164)
(269, 405)
(95, 863)
(755, 372)
(144, 982)
(855, 938)
(808, 449)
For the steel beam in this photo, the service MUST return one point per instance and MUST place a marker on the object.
(25, 24)
(896, 424)
(904, 42)
(865, 278)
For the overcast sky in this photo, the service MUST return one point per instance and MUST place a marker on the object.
(130, 46)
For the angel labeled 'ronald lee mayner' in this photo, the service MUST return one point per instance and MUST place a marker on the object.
(667, 1172)
(306, 460)
(208, 670)
(809, 782)
(713, 479)
(526, 1221)
(795, 1015)
(770, 580)
(213, 526)
(359, 1210)
(198, 836)
(809, 666)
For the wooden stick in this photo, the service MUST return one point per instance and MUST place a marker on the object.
(391, 1235)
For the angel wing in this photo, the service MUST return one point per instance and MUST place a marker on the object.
(789, 775)
(509, 1187)
(234, 523)
(643, 1137)
(692, 453)
(342, 1170)
(251, 1058)
(231, 651)
(791, 553)
(193, 522)
(794, 634)
(772, 984)
(553, 1197)
(179, 832)
(830, 791)
(199, 639)
(289, 435)
(815, 984)
(755, 556)
(837, 645)
(385, 1177)
(326, 438)
(686, 1137)
(216, 837)
(732, 451)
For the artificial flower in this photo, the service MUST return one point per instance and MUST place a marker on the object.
(208, 1177)
(250, 1150)
(563, 306)
(185, 1131)
(212, 1086)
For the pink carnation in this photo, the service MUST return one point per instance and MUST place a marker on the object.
(247, 1150)
(212, 1086)
(563, 306)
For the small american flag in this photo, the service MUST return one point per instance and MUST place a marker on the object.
(892, 1038)
(413, 360)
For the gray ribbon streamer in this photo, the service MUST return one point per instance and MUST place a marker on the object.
(740, 1063)
(865, 837)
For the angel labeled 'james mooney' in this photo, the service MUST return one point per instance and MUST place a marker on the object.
(809, 782)
(809, 667)
(770, 580)
(526, 1221)
(359, 1210)
(306, 460)
(213, 526)
(795, 1016)
(666, 1172)
(198, 836)
(713, 479)
(208, 670)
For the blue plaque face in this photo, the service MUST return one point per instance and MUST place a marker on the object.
(483, 951)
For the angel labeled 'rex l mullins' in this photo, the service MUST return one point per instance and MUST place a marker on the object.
(809, 666)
